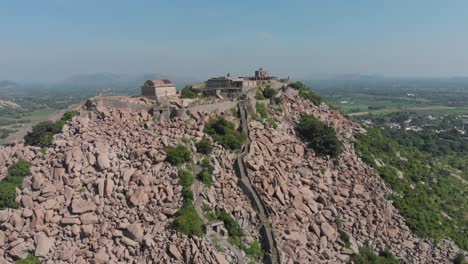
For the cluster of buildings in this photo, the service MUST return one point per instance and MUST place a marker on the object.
(229, 86)
(224, 85)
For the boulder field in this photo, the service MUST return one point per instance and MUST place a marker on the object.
(104, 194)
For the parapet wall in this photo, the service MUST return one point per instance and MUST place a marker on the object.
(120, 102)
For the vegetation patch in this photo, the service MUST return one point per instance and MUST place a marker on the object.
(259, 96)
(262, 115)
(255, 251)
(204, 146)
(43, 133)
(29, 260)
(306, 93)
(318, 136)
(13, 180)
(235, 232)
(188, 92)
(187, 220)
(269, 92)
(224, 132)
(178, 155)
(367, 256)
(422, 191)
(206, 174)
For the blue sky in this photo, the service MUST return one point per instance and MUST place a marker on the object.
(53, 39)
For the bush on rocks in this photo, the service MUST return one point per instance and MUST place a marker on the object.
(187, 92)
(366, 256)
(178, 155)
(188, 222)
(13, 180)
(204, 146)
(318, 136)
(269, 92)
(206, 175)
(43, 133)
(306, 93)
(223, 132)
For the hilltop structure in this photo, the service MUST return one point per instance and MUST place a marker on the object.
(263, 75)
(230, 86)
(158, 89)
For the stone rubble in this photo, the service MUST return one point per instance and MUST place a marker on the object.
(103, 194)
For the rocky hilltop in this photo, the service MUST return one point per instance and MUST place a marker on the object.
(104, 193)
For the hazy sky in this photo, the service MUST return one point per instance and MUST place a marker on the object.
(53, 39)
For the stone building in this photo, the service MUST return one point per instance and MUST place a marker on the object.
(228, 86)
(158, 89)
(263, 75)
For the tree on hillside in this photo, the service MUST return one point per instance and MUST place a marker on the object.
(318, 136)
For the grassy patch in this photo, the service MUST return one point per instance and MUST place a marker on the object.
(29, 260)
(187, 220)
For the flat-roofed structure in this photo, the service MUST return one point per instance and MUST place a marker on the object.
(158, 89)
(228, 86)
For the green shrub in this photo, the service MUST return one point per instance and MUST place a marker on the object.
(297, 86)
(261, 110)
(69, 115)
(178, 155)
(255, 251)
(29, 260)
(204, 146)
(43, 133)
(187, 92)
(259, 96)
(230, 223)
(460, 259)
(269, 92)
(186, 178)
(20, 169)
(188, 222)
(223, 132)
(13, 180)
(206, 175)
(318, 136)
(307, 94)
(367, 256)
(277, 100)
